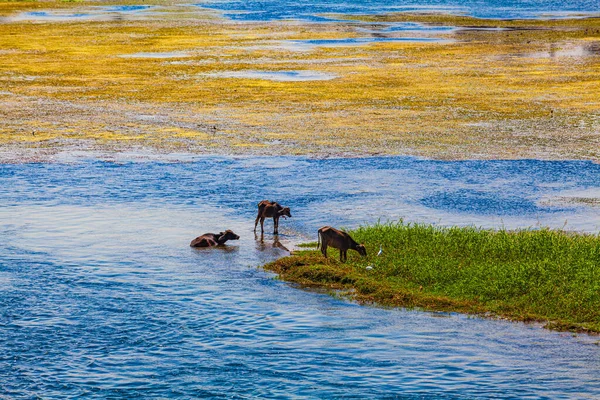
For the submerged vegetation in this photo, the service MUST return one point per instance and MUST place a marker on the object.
(527, 275)
(520, 89)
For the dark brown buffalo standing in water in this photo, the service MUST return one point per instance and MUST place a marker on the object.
(268, 209)
(214, 239)
(335, 238)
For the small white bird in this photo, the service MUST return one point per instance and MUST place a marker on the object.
(380, 251)
(369, 267)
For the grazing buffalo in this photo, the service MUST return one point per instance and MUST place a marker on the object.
(214, 239)
(335, 238)
(268, 209)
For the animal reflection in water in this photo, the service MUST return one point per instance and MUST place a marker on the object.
(335, 238)
(261, 245)
(214, 239)
(271, 209)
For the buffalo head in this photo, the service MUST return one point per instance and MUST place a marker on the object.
(361, 250)
(228, 235)
(285, 212)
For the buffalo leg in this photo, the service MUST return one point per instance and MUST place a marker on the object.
(275, 225)
(324, 249)
(202, 243)
(256, 222)
(262, 224)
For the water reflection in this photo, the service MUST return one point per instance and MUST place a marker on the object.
(226, 248)
(272, 242)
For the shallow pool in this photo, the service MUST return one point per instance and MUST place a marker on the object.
(97, 13)
(278, 76)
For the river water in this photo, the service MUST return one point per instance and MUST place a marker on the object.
(317, 10)
(101, 296)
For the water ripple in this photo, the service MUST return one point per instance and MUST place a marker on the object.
(101, 296)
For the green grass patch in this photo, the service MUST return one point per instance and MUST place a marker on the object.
(527, 275)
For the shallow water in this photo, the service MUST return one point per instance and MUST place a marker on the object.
(278, 76)
(164, 54)
(311, 10)
(360, 41)
(591, 49)
(85, 14)
(101, 296)
(393, 27)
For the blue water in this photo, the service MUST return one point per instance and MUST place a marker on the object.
(90, 14)
(101, 296)
(359, 41)
(278, 76)
(46, 15)
(126, 8)
(311, 10)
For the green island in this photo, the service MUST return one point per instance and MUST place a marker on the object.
(543, 275)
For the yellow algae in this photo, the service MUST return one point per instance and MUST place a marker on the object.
(186, 133)
(485, 94)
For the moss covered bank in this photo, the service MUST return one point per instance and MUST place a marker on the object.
(529, 275)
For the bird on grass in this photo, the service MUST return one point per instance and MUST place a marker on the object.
(380, 251)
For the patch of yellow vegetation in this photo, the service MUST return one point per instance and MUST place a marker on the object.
(511, 93)
(186, 133)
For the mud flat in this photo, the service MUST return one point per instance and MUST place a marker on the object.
(440, 86)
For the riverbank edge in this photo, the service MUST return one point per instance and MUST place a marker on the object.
(310, 270)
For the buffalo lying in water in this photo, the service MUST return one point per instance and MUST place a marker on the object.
(337, 239)
(214, 239)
